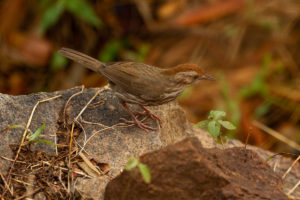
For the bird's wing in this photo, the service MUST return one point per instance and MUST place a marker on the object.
(135, 78)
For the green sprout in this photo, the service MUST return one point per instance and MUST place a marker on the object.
(144, 170)
(214, 123)
(32, 136)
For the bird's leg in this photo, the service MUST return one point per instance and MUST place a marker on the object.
(150, 114)
(135, 120)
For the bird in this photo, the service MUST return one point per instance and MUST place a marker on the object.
(141, 84)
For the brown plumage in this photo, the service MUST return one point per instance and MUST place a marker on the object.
(142, 84)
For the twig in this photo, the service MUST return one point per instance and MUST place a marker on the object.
(65, 169)
(294, 188)
(28, 194)
(61, 182)
(70, 174)
(88, 103)
(6, 185)
(248, 136)
(277, 135)
(12, 160)
(106, 128)
(275, 165)
(65, 108)
(290, 168)
(89, 164)
(19, 181)
(84, 133)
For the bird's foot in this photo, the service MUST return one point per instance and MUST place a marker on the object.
(135, 121)
(149, 114)
(141, 125)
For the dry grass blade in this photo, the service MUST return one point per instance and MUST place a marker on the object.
(3, 157)
(294, 188)
(89, 164)
(70, 174)
(28, 194)
(290, 168)
(248, 136)
(5, 183)
(65, 108)
(88, 103)
(277, 135)
(25, 183)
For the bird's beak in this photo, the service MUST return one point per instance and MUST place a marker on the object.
(208, 77)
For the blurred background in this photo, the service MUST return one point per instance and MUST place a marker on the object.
(252, 47)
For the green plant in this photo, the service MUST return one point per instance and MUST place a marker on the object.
(32, 136)
(54, 9)
(214, 123)
(144, 170)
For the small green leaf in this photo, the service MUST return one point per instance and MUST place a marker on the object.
(226, 124)
(132, 163)
(216, 114)
(16, 126)
(58, 61)
(269, 158)
(145, 172)
(203, 124)
(214, 128)
(83, 10)
(51, 15)
(45, 141)
(36, 133)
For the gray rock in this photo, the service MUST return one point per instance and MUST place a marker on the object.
(107, 143)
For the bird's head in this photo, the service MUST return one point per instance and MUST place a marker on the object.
(187, 74)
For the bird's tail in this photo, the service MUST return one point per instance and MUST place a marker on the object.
(81, 58)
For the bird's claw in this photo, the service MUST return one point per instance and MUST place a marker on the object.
(143, 126)
(151, 115)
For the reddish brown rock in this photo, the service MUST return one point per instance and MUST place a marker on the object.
(188, 171)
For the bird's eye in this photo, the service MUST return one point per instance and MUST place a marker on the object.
(196, 76)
